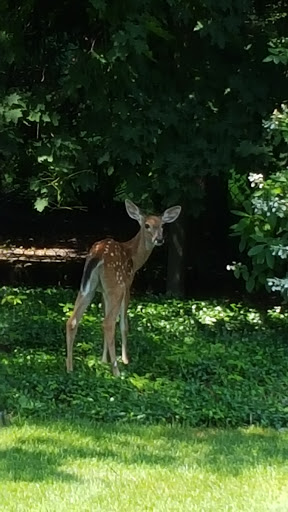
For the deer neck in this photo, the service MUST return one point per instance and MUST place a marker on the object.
(140, 249)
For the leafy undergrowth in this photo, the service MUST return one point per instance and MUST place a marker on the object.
(200, 363)
(79, 465)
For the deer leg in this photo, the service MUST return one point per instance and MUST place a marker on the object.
(81, 304)
(104, 358)
(124, 326)
(109, 324)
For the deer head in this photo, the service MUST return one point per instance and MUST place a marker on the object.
(152, 225)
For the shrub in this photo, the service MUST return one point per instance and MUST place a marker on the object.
(263, 227)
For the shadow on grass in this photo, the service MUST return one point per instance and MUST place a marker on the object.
(19, 464)
(38, 455)
(39, 452)
(234, 451)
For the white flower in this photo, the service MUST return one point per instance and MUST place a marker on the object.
(256, 179)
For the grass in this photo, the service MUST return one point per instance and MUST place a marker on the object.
(202, 363)
(90, 442)
(60, 466)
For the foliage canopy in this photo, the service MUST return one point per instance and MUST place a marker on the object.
(132, 97)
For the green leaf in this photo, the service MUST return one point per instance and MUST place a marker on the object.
(34, 116)
(46, 118)
(41, 203)
(242, 245)
(47, 157)
(13, 115)
(55, 119)
(240, 213)
(273, 220)
(13, 99)
(260, 258)
(237, 272)
(269, 58)
(245, 273)
(104, 158)
(250, 284)
(262, 278)
(199, 25)
(153, 25)
(270, 259)
(242, 224)
(256, 249)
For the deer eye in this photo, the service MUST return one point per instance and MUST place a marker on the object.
(147, 226)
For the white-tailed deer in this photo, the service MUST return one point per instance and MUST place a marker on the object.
(110, 268)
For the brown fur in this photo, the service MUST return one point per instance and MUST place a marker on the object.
(110, 269)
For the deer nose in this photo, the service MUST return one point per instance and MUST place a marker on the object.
(159, 241)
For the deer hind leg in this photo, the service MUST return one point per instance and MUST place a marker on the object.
(112, 309)
(124, 326)
(81, 304)
(104, 358)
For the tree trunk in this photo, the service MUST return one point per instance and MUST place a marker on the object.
(175, 285)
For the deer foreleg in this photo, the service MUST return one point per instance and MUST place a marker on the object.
(124, 326)
(109, 324)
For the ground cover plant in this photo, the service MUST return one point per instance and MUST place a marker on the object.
(194, 362)
(79, 465)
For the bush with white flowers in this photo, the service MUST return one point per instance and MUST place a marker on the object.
(263, 224)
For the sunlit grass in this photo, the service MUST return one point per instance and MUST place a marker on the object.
(81, 466)
(192, 362)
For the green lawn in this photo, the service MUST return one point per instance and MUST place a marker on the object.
(147, 441)
(78, 466)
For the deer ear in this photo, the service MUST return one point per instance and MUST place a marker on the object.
(171, 214)
(133, 210)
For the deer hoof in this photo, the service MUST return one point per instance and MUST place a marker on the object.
(115, 370)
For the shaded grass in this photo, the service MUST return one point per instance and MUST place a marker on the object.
(197, 363)
(192, 362)
(60, 466)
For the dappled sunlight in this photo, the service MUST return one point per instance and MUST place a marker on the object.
(79, 465)
(50, 445)
(193, 362)
(189, 314)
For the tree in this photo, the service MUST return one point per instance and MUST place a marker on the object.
(146, 100)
